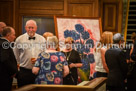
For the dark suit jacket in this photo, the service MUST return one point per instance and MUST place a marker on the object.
(116, 62)
(8, 65)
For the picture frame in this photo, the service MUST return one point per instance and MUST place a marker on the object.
(84, 31)
(44, 24)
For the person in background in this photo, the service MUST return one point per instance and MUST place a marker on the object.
(116, 62)
(2, 25)
(131, 80)
(133, 50)
(47, 34)
(74, 62)
(133, 37)
(99, 54)
(51, 65)
(26, 52)
(8, 64)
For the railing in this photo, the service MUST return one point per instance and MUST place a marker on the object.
(97, 84)
(126, 21)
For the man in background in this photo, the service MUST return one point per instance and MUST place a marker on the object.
(8, 64)
(2, 25)
(27, 54)
(116, 62)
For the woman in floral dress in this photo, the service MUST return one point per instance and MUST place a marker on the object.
(51, 65)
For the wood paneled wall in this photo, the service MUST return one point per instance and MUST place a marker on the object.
(12, 11)
(111, 14)
(38, 8)
(6, 11)
(41, 7)
(49, 8)
(84, 8)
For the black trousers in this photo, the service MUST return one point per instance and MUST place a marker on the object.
(115, 88)
(5, 84)
(25, 77)
(131, 84)
(101, 74)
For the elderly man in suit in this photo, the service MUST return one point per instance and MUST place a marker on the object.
(116, 62)
(8, 64)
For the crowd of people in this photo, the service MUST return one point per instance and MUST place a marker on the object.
(47, 65)
(113, 61)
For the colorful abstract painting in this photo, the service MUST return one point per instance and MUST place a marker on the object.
(85, 32)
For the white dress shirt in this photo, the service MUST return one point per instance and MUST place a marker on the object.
(26, 49)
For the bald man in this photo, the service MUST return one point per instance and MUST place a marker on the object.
(26, 55)
(2, 25)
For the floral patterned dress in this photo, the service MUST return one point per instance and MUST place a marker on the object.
(51, 68)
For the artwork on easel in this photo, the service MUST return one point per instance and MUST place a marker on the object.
(86, 32)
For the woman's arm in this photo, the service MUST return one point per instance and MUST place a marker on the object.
(103, 50)
(78, 62)
(130, 55)
(131, 50)
(133, 55)
(66, 70)
(77, 65)
(35, 70)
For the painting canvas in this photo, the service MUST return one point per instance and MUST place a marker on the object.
(85, 32)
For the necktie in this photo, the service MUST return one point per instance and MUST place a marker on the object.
(31, 38)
